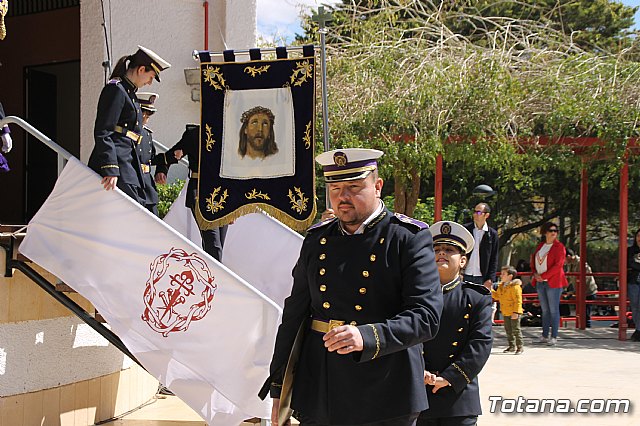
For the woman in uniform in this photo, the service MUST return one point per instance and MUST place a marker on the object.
(118, 126)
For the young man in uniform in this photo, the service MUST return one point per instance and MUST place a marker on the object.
(366, 294)
(463, 344)
(147, 151)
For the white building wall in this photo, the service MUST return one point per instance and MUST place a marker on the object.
(171, 28)
(44, 354)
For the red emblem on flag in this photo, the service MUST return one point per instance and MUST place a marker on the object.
(179, 290)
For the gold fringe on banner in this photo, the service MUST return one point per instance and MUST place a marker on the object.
(296, 225)
(4, 8)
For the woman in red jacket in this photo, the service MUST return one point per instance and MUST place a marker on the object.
(549, 279)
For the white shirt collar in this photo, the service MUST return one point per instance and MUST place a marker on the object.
(484, 228)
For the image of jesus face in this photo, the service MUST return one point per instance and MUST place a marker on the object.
(257, 131)
(257, 138)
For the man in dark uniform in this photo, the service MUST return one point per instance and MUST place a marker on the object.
(463, 344)
(367, 291)
(189, 145)
(147, 151)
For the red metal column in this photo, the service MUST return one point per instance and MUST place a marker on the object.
(580, 284)
(622, 254)
(205, 4)
(437, 198)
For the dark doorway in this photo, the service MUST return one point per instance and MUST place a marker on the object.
(53, 107)
(41, 165)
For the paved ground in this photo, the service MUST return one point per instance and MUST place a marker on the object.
(590, 364)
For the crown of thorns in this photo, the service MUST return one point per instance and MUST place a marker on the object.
(257, 110)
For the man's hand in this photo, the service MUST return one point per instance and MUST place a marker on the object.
(488, 284)
(275, 408)
(514, 316)
(161, 178)
(343, 339)
(429, 378)
(178, 154)
(434, 380)
(7, 143)
(109, 182)
(440, 383)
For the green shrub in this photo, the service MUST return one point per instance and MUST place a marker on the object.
(167, 194)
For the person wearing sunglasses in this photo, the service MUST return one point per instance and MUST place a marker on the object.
(483, 260)
(549, 279)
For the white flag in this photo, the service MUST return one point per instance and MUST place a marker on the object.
(259, 248)
(194, 324)
(181, 219)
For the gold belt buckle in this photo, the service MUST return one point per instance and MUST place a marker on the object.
(145, 168)
(335, 323)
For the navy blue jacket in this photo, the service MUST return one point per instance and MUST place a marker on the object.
(147, 152)
(115, 154)
(383, 281)
(460, 350)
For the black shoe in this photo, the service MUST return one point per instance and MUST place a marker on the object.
(635, 337)
(519, 350)
(509, 349)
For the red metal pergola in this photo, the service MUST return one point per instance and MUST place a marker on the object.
(584, 192)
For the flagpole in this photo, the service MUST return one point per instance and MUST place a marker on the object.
(321, 18)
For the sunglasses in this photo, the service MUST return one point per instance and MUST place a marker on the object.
(478, 212)
(552, 230)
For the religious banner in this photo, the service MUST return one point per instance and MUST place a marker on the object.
(257, 139)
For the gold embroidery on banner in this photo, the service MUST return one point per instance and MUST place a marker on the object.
(213, 76)
(253, 71)
(303, 71)
(214, 205)
(210, 140)
(307, 136)
(255, 194)
(298, 204)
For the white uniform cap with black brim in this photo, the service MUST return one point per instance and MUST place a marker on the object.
(148, 57)
(452, 233)
(340, 165)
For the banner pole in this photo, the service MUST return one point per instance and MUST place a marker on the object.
(321, 18)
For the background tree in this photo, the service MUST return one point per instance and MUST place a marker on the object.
(495, 102)
(593, 25)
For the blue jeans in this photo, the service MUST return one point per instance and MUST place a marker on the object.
(633, 291)
(550, 305)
